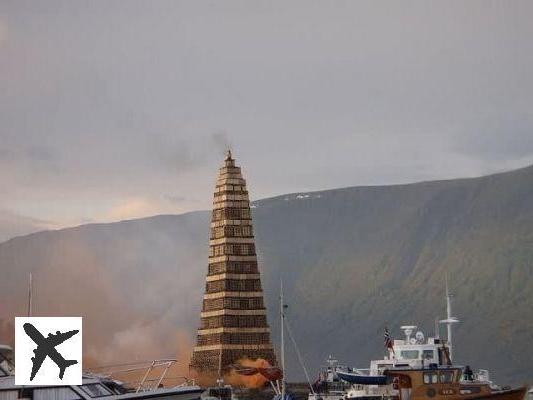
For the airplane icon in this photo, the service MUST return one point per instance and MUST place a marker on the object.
(46, 347)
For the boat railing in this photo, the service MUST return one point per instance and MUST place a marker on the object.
(149, 375)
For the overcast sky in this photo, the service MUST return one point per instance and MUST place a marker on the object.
(113, 110)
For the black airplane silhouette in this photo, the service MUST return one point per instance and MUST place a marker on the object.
(46, 347)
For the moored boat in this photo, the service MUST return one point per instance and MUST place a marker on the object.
(417, 368)
(329, 386)
(92, 386)
(413, 351)
(362, 379)
(445, 383)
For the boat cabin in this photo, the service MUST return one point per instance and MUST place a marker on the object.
(414, 351)
(436, 383)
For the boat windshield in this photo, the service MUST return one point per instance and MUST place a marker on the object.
(446, 376)
(438, 376)
(409, 354)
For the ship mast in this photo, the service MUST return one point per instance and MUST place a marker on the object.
(449, 316)
(450, 320)
(282, 322)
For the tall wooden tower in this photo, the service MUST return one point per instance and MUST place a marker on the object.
(233, 319)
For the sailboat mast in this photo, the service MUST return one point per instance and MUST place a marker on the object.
(282, 323)
(30, 295)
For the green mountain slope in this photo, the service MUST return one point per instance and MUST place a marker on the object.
(353, 260)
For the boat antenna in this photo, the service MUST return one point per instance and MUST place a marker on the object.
(282, 322)
(30, 284)
(449, 321)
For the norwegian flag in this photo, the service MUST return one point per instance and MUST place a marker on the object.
(389, 342)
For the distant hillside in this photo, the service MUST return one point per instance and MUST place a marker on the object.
(353, 260)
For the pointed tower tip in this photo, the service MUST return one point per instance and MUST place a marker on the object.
(228, 160)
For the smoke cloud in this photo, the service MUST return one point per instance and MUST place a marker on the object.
(135, 306)
(222, 142)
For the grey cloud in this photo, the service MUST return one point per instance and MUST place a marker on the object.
(40, 153)
(5, 154)
(177, 199)
(497, 139)
(102, 103)
(31, 157)
(177, 156)
(12, 224)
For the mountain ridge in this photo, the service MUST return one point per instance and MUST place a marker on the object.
(352, 259)
(281, 196)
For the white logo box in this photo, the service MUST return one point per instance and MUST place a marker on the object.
(69, 350)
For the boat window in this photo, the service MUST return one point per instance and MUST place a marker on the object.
(446, 376)
(409, 354)
(470, 389)
(430, 377)
(55, 393)
(427, 354)
(96, 390)
(8, 394)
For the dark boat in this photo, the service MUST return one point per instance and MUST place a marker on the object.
(360, 379)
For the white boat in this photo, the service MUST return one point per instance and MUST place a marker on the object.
(412, 352)
(328, 385)
(415, 352)
(92, 386)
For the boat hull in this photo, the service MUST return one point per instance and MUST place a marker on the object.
(163, 394)
(357, 379)
(326, 396)
(370, 397)
(511, 394)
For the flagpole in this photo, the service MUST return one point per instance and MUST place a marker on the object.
(30, 295)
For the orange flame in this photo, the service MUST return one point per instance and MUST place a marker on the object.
(255, 381)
